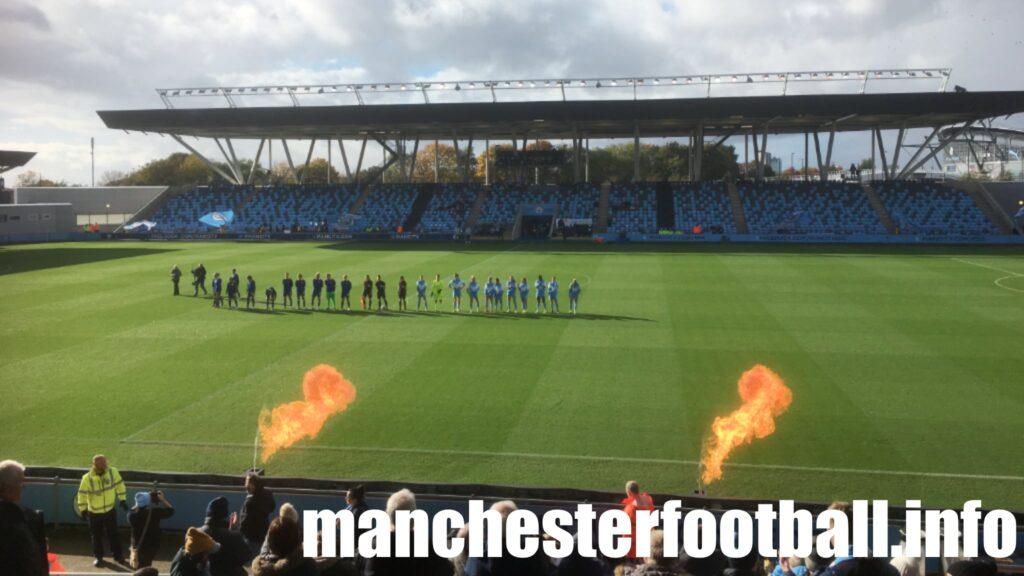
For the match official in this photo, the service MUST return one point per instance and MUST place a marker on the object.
(286, 291)
(175, 278)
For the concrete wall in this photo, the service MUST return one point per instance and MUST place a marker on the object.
(18, 220)
(122, 199)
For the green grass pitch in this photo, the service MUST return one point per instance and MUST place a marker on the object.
(905, 366)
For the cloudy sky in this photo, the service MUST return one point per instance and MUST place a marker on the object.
(61, 60)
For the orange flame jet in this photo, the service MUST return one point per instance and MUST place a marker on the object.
(326, 393)
(764, 396)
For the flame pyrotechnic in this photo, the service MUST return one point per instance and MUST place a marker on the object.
(326, 393)
(764, 396)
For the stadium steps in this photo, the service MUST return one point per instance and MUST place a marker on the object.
(478, 205)
(739, 218)
(419, 207)
(358, 204)
(880, 210)
(601, 225)
(984, 201)
(666, 207)
(154, 205)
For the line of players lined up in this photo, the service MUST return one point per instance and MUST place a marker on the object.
(498, 297)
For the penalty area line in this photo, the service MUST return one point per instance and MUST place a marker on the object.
(584, 458)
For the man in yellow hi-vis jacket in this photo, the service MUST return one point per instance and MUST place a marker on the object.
(99, 493)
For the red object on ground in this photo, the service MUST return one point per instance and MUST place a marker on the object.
(55, 566)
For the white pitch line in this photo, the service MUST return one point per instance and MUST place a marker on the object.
(583, 458)
(989, 267)
(997, 281)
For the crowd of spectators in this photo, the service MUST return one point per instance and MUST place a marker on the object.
(255, 541)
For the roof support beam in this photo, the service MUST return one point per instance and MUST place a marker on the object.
(344, 159)
(305, 167)
(764, 153)
(415, 151)
(828, 155)
(359, 164)
(698, 154)
(205, 160)
(917, 153)
(256, 162)
(896, 154)
(938, 148)
(236, 165)
(227, 160)
(881, 153)
(288, 156)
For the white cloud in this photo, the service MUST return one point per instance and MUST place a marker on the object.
(64, 59)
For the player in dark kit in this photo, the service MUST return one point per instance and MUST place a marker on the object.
(271, 297)
(286, 290)
(233, 290)
(403, 289)
(367, 299)
(199, 279)
(318, 287)
(250, 292)
(346, 293)
(382, 297)
(300, 291)
(175, 278)
(216, 289)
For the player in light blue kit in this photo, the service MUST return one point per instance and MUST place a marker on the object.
(541, 286)
(511, 294)
(489, 295)
(456, 285)
(574, 296)
(473, 289)
(553, 294)
(524, 295)
(421, 294)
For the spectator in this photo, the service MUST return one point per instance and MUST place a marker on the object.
(287, 511)
(355, 498)
(635, 500)
(234, 554)
(656, 564)
(864, 567)
(99, 491)
(284, 557)
(144, 520)
(430, 565)
(507, 564)
(256, 510)
(193, 559)
(22, 540)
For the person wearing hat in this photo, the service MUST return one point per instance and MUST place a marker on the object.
(194, 557)
(144, 519)
(234, 554)
(284, 555)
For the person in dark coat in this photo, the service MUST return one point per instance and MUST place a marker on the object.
(193, 559)
(176, 278)
(284, 557)
(256, 510)
(22, 536)
(144, 519)
(234, 554)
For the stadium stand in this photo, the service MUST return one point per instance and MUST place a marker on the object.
(387, 205)
(181, 213)
(931, 208)
(632, 209)
(808, 208)
(501, 208)
(448, 208)
(295, 208)
(705, 205)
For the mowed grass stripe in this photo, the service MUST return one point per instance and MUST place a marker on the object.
(901, 360)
